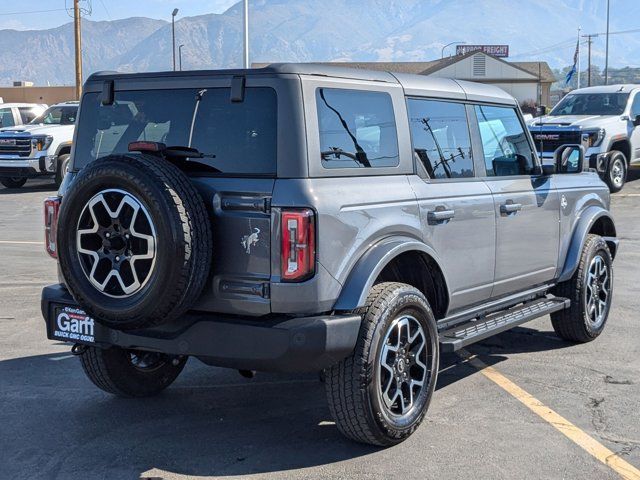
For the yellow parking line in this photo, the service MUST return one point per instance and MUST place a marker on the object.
(564, 426)
(20, 243)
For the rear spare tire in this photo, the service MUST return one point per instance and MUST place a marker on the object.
(134, 241)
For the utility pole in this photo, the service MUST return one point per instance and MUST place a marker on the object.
(78, 46)
(589, 38)
(578, 51)
(606, 54)
(246, 34)
(180, 56)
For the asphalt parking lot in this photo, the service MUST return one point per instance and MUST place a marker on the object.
(212, 422)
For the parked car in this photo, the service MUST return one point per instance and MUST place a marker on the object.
(12, 114)
(307, 218)
(39, 148)
(605, 119)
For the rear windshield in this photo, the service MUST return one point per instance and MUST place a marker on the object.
(235, 137)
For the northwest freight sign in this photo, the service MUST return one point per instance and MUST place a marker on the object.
(495, 50)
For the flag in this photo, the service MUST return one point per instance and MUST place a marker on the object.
(573, 70)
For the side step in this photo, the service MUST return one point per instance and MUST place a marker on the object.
(478, 329)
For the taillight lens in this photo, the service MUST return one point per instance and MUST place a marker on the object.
(298, 244)
(51, 210)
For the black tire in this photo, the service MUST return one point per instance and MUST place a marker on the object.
(120, 372)
(576, 323)
(61, 168)
(355, 385)
(182, 244)
(616, 174)
(11, 182)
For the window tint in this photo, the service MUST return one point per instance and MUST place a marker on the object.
(237, 138)
(27, 114)
(591, 104)
(504, 141)
(357, 129)
(635, 107)
(6, 118)
(440, 137)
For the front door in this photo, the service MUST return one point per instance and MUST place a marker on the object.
(634, 131)
(526, 204)
(456, 207)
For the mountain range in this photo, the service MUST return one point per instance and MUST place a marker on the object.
(317, 30)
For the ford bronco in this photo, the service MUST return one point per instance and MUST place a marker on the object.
(312, 218)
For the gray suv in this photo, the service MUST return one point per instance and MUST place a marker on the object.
(315, 218)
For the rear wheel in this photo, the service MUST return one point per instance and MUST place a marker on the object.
(11, 182)
(616, 174)
(590, 290)
(130, 373)
(380, 394)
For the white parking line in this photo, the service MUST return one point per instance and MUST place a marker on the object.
(617, 195)
(64, 357)
(18, 242)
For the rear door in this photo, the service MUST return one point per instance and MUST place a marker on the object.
(456, 206)
(526, 205)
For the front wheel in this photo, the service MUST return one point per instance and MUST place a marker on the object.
(616, 174)
(11, 182)
(380, 394)
(130, 373)
(61, 169)
(590, 290)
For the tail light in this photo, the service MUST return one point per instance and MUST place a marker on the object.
(51, 210)
(298, 244)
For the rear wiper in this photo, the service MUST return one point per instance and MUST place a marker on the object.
(173, 153)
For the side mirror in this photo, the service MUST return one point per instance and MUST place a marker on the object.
(636, 120)
(569, 159)
(541, 110)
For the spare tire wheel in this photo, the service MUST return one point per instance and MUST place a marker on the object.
(134, 241)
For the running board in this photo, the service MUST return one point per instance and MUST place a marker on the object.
(479, 329)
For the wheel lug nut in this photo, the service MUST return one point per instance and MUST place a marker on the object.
(107, 235)
(117, 259)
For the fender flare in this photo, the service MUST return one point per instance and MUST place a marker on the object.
(61, 146)
(362, 276)
(587, 219)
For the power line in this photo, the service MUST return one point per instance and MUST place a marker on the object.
(34, 11)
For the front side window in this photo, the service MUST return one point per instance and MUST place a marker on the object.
(440, 137)
(57, 116)
(505, 144)
(6, 118)
(234, 137)
(357, 129)
(635, 107)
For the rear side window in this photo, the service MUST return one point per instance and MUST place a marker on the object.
(357, 129)
(6, 118)
(235, 137)
(505, 144)
(440, 137)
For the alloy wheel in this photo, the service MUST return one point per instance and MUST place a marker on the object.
(116, 243)
(402, 367)
(598, 291)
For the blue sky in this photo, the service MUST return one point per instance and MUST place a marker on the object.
(52, 13)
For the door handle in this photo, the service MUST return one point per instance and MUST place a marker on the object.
(440, 215)
(510, 207)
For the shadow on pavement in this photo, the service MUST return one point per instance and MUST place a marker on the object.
(31, 186)
(55, 423)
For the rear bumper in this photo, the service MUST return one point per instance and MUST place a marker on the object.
(278, 344)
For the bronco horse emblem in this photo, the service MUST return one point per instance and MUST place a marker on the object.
(250, 240)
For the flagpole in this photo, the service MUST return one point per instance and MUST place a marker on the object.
(579, 29)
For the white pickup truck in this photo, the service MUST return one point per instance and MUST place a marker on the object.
(38, 148)
(604, 119)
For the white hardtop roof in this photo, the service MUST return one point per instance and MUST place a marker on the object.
(16, 104)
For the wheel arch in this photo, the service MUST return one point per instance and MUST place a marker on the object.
(594, 220)
(395, 259)
(622, 145)
(64, 149)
